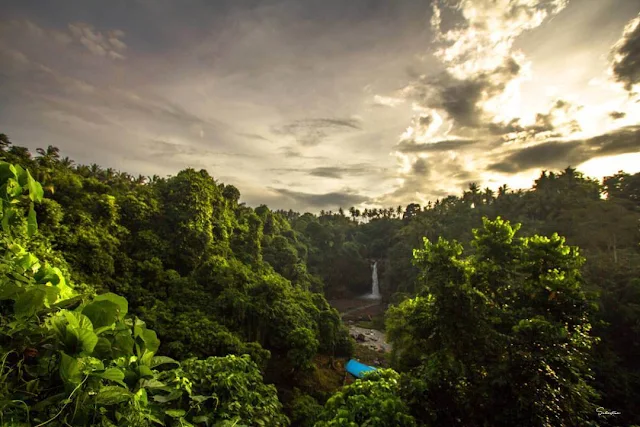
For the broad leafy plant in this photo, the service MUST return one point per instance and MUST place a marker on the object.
(70, 358)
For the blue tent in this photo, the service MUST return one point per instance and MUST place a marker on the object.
(358, 369)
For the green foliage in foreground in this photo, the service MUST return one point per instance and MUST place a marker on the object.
(373, 401)
(69, 358)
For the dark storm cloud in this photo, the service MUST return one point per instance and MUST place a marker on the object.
(414, 147)
(339, 172)
(425, 121)
(310, 132)
(331, 200)
(559, 154)
(626, 55)
(553, 154)
(336, 172)
(460, 98)
(421, 167)
(621, 141)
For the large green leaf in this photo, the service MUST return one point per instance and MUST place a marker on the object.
(102, 348)
(69, 369)
(46, 275)
(77, 320)
(151, 341)
(87, 338)
(35, 189)
(112, 395)
(113, 374)
(7, 171)
(122, 344)
(30, 302)
(32, 222)
(102, 313)
(163, 360)
(116, 299)
(145, 371)
(175, 413)
(21, 175)
(28, 262)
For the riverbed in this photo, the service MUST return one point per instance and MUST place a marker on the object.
(374, 339)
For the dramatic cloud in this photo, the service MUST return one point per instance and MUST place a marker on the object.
(559, 121)
(413, 147)
(469, 113)
(333, 200)
(549, 155)
(626, 55)
(338, 172)
(484, 43)
(559, 154)
(309, 132)
(335, 172)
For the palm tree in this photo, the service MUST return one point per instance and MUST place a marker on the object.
(473, 195)
(488, 196)
(352, 212)
(109, 174)
(66, 162)
(155, 179)
(95, 170)
(48, 156)
(4, 142)
(83, 170)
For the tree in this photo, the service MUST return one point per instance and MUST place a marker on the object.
(412, 210)
(497, 338)
(373, 401)
(66, 162)
(49, 156)
(473, 196)
(4, 142)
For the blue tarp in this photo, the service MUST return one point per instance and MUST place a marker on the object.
(358, 369)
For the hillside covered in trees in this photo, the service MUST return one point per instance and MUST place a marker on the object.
(164, 301)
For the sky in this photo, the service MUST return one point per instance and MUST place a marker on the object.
(320, 104)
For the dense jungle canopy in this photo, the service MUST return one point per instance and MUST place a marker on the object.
(144, 301)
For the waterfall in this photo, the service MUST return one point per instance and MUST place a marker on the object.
(375, 287)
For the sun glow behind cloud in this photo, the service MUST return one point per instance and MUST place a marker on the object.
(479, 55)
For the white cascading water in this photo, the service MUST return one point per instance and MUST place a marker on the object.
(375, 287)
